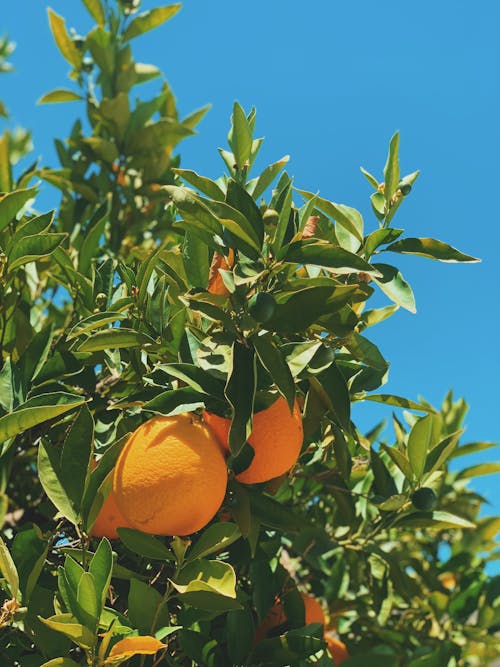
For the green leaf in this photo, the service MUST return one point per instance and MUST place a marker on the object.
(193, 210)
(274, 362)
(144, 544)
(9, 570)
(100, 44)
(94, 322)
(240, 392)
(341, 451)
(68, 626)
(395, 286)
(64, 42)
(50, 478)
(195, 254)
(88, 600)
(144, 603)
(240, 136)
(115, 338)
(175, 401)
(32, 248)
(369, 177)
(379, 237)
(196, 378)
(329, 256)
(332, 388)
(59, 95)
(398, 401)
(101, 568)
(238, 224)
(29, 551)
(216, 537)
(419, 444)
(240, 200)
(472, 448)
(391, 169)
(96, 10)
(103, 149)
(439, 520)
(400, 460)
(36, 411)
(479, 470)
(347, 217)
(208, 584)
(383, 482)
(201, 183)
(426, 247)
(439, 454)
(12, 203)
(76, 456)
(259, 185)
(60, 662)
(149, 20)
(364, 350)
(283, 219)
(192, 119)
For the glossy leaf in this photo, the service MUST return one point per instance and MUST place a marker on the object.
(328, 256)
(130, 646)
(64, 42)
(419, 443)
(391, 169)
(274, 362)
(216, 537)
(8, 570)
(144, 544)
(395, 286)
(149, 20)
(426, 247)
(115, 338)
(68, 626)
(240, 136)
(240, 392)
(60, 95)
(76, 455)
(96, 10)
(12, 203)
(347, 217)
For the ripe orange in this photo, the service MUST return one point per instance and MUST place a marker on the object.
(276, 438)
(171, 476)
(337, 648)
(313, 613)
(215, 282)
(109, 518)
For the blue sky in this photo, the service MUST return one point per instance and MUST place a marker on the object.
(331, 83)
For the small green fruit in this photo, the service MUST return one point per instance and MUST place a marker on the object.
(270, 216)
(424, 499)
(323, 357)
(405, 188)
(262, 307)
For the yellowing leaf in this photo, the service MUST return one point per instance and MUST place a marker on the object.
(64, 42)
(130, 646)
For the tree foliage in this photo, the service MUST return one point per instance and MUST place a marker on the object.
(106, 320)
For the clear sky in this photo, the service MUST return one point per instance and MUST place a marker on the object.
(331, 82)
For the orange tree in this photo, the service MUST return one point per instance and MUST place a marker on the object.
(181, 481)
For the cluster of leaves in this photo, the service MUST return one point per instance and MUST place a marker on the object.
(106, 320)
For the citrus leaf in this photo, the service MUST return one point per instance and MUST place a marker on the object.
(479, 470)
(68, 626)
(60, 662)
(240, 392)
(395, 286)
(347, 217)
(240, 136)
(62, 39)
(426, 247)
(115, 338)
(437, 520)
(59, 95)
(208, 584)
(96, 10)
(259, 185)
(32, 248)
(93, 322)
(201, 183)
(12, 203)
(364, 350)
(149, 20)
(399, 459)
(36, 411)
(50, 478)
(472, 448)
(101, 568)
(214, 538)
(144, 544)
(329, 256)
(9, 570)
(391, 169)
(76, 456)
(398, 401)
(273, 361)
(419, 443)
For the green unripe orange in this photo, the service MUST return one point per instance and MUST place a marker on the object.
(262, 307)
(424, 499)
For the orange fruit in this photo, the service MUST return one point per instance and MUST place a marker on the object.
(109, 518)
(313, 613)
(215, 282)
(276, 438)
(171, 476)
(337, 648)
